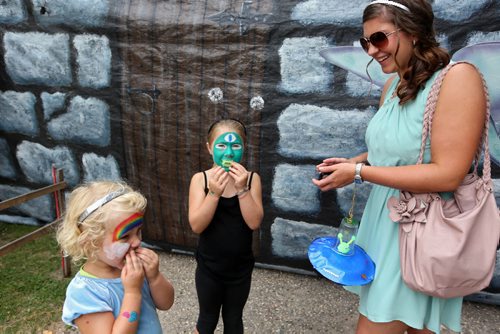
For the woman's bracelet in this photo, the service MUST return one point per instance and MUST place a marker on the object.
(243, 191)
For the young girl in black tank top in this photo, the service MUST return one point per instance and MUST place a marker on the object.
(225, 206)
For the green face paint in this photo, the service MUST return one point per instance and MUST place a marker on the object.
(228, 147)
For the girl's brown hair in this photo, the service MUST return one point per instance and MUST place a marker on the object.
(229, 123)
(428, 56)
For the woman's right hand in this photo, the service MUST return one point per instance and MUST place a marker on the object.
(325, 167)
(218, 181)
(334, 173)
(329, 162)
(132, 273)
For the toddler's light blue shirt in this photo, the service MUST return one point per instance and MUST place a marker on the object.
(91, 295)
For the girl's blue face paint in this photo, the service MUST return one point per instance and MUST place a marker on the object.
(228, 147)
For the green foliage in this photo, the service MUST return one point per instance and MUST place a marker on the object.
(32, 286)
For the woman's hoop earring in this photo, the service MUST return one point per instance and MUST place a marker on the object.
(414, 42)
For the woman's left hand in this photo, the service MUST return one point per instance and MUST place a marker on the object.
(240, 176)
(150, 262)
(342, 174)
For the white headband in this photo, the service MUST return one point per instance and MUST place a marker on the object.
(392, 3)
(100, 202)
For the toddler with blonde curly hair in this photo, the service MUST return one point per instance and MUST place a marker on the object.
(119, 287)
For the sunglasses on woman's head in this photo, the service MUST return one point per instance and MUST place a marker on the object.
(377, 39)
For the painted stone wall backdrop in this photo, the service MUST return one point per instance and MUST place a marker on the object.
(127, 89)
(57, 106)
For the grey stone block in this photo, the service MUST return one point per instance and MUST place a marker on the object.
(12, 11)
(291, 239)
(94, 61)
(315, 12)
(303, 70)
(86, 13)
(100, 168)
(293, 189)
(320, 132)
(36, 58)
(7, 168)
(36, 162)
(17, 113)
(87, 121)
(52, 103)
(344, 199)
(452, 10)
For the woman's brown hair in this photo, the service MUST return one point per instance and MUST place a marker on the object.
(428, 56)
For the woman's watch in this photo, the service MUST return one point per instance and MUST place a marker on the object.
(357, 173)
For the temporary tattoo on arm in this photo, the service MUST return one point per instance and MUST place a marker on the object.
(131, 316)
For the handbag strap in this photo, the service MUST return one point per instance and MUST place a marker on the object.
(430, 108)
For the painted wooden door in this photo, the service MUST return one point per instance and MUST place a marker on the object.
(173, 53)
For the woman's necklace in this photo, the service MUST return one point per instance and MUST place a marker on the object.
(396, 89)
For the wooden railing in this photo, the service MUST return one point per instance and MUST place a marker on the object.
(31, 195)
(56, 189)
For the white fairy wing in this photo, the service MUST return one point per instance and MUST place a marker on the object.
(354, 59)
(486, 56)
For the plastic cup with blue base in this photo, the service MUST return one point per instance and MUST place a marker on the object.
(340, 260)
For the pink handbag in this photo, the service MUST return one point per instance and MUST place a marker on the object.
(448, 247)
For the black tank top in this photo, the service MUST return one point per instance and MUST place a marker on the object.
(225, 246)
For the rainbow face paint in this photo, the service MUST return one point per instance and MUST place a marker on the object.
(128, 224)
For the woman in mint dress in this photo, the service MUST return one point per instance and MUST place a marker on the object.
(399, 35)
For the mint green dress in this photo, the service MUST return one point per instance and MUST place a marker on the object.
(393, 138)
